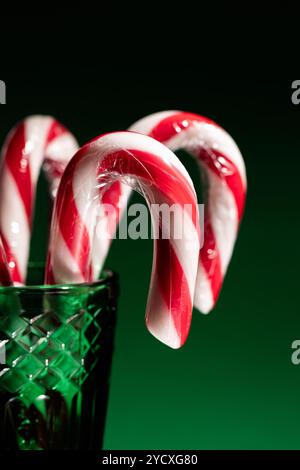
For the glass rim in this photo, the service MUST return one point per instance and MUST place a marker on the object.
(107, 276)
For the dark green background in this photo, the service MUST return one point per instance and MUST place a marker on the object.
(232, 386)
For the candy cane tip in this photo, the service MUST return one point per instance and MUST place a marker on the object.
(173, 343)
(203, 302)
(163, 330)
(204, 311)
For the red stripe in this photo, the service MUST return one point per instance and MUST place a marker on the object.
(175, 124)
(56, 167)
(49, 273)
(4, 274)
(153, 171)
(5, 279)
(17, 161)
(49, 279)
(225, 169)
(90, 274)
(130, 163)
(210, 258)
(171, 277)
(56, 130)
(73, 229)
(221, 166)
(174, 287)
(112, 197)
(143, 165)
(11, 261)
(219, 163)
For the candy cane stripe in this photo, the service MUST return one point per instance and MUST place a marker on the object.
(35, 142)
(161, 178)
(18, 168)
(5, 279)
(220, 160)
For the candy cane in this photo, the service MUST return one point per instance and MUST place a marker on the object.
(161, 178)
(5, 279)
(116, 196)
(35, 141)
(223, 167)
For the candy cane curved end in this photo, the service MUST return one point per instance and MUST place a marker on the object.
(35, 142)
(161, 179)
(223, 167)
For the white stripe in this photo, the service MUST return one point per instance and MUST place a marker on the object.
(125, 194)
(203, 298)
(86, 192)
(62, 148)
(187, 247)
(13, 220)
(223, 216)
(36, 132)
(101, 246)
(159, 319)
(58, 154)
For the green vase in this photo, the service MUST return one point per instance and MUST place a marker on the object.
(56, 346)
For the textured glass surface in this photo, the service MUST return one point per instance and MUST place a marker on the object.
(54, 381)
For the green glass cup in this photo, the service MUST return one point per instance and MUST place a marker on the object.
(56, 346)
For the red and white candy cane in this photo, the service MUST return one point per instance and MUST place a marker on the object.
(115, 197)
(36, 141)
(224, 174)
(161, 178)
(5, 279)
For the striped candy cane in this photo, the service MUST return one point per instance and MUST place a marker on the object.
(36, 141)
(116, 196)
(5, 279)
(224, 173)
(161, 178)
